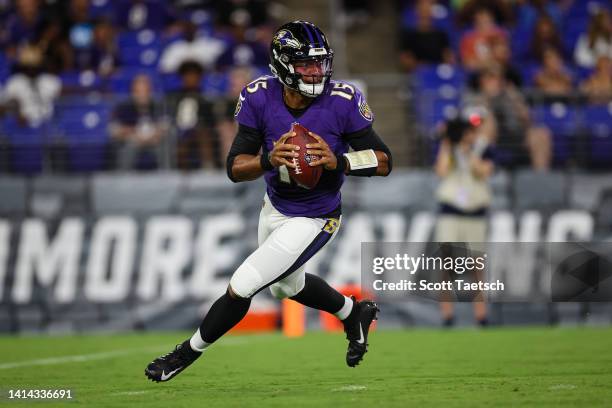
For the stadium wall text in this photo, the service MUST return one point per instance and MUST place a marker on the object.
(172, 257)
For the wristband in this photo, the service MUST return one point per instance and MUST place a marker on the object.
(264, 161)
(363, 163)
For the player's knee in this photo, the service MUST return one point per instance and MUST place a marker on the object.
(232, 293)
(282, 290)
(246, 281)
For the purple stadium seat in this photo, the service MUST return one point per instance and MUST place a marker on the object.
(84, 125)
(598, 124)
(433, 76)
(120, 82)
(84, 80)
(442, 18)
(562, 120)
(26, 146)
(101, 8)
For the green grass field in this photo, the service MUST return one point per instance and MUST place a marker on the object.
(496, 367)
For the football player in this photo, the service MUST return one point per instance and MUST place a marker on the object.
(295, 223)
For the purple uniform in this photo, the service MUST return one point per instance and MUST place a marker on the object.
(339, 111)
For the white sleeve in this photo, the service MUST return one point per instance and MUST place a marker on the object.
(583, 55)
(51, 86)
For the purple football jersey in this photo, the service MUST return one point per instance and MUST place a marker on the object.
(340, 110)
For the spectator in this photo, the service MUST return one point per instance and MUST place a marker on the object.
(138, 128)
(424, 44)
(101, 54)
(227, 11)
(204, 50)
(545, 36)
(31, 90)
(227, 128)
(502, 56)
(464, 164)
(193, 118)
(529, 12)
(598, 86)
(476, 45)
(25, 26)
(500, 11)
(243, 50)
(144, 14)
(58, 54)
(517, 141)
(597, 41)
(553, 79)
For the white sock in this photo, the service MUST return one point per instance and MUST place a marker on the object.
(346, 309)
(196, 342)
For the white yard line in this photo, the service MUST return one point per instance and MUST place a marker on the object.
(352, 387)
(82, 358)
(128, 393)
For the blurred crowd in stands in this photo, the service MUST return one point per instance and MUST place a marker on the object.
(156, 76)
(535, 74)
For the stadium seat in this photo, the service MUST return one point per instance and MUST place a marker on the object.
(132, 193)
(84, 125)
(26, 146)
(80, 81)
(138, 39)
(101, 8)
(562, 120)
(442, 18)
(215, 83)
(121, 81)
(13, 191)
(146, 57)
(598, 124)
(4, 67)
(432, 76)
(432, 109)
(534, 190)
(54, 196)
(206, 191)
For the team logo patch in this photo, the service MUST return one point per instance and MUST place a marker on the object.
(365, 110)
(331, 225)
(284, 38)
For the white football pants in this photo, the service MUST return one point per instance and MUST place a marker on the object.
(285, 245)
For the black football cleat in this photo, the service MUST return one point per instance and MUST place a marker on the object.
(356, 327)
(169, 365)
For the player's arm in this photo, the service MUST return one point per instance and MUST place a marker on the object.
(364, 142)
(244, 161)
(371, 157)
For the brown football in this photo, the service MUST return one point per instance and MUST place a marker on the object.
(304, 175)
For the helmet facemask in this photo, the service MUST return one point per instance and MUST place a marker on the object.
(311, 75)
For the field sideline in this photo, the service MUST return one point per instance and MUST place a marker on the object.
(495, 367)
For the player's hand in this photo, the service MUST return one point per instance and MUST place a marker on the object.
(284, 153)
(321, 148)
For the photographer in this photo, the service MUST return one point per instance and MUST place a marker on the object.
(464, 164)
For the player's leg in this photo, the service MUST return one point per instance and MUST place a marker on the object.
(312, 291)
(318, 294)
(290, 244)
(447, 230)
(475, 230)
(231, 308)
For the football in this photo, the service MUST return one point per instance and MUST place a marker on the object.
(304, 175)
